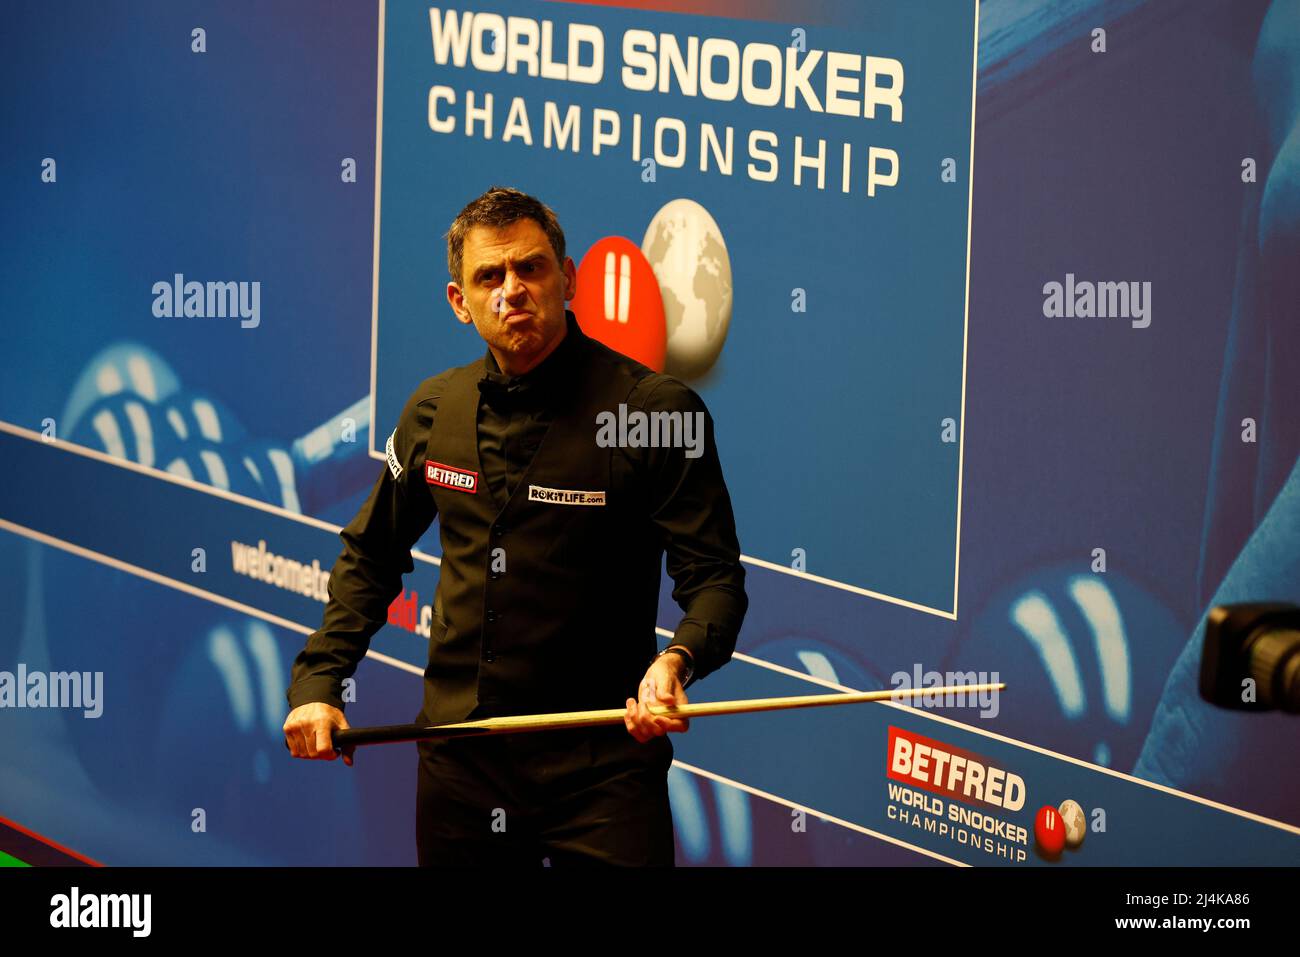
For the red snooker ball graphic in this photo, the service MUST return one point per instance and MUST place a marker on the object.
(618, 301)
(1049, 831)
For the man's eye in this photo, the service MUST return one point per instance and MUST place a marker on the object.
(495, 276)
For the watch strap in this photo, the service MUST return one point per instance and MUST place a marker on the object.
(686, 657)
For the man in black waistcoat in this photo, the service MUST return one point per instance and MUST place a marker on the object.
(555, 515)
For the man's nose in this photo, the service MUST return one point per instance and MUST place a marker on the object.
(512, 287)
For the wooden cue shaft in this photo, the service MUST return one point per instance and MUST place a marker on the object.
(582, 719)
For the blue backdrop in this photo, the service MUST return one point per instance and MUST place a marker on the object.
(929, 471)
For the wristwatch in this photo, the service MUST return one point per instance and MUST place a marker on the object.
(685, 655)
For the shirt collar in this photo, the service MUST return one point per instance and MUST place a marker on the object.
(542, 377)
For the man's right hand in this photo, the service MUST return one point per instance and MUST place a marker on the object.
(308, 732)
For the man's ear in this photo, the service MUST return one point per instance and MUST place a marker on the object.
(570, 279)
(457, 301)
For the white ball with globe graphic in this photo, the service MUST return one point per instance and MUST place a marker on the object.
(1076, 824)
(689, 257)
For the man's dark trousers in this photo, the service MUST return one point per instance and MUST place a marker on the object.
(571, 797)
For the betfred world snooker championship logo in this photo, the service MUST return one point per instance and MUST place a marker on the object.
(955, 794)
(949, 792)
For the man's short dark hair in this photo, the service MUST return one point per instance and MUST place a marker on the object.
(500, 206)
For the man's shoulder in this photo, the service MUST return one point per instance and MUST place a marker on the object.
(661, 392)
(408, 438)
(644, 387)
(669, 392)
(426, 395)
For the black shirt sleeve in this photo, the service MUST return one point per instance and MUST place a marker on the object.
(367, 575)
(689, 503)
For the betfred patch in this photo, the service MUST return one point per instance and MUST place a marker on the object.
(448, 476)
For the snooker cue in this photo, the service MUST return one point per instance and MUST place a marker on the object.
(390, 734)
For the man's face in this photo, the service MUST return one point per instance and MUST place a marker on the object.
(514, 292)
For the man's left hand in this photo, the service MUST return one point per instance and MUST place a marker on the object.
(660, 686)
